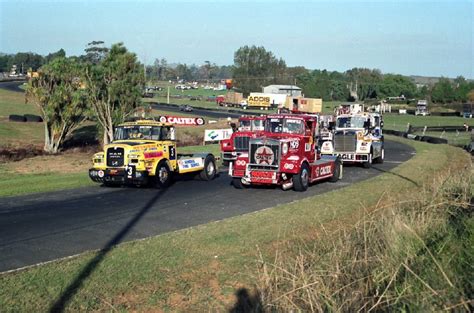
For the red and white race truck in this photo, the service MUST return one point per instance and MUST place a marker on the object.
(285, 154)
(249, 126)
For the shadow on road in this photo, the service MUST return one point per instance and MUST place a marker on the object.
(71, 290)
(247, 303)
(398, 175)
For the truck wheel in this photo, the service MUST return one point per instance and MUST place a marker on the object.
(210, 169)
(237, 183)
(337, 171)
(162, 176)
(368, 164)
(301, 180)
(381, 157)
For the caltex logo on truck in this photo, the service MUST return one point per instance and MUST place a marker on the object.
(264, 155)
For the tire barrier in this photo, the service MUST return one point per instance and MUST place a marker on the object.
(33, 118)
(446, 113)
(16, 118)
(412, 112)
(439, 128)
(428, 139)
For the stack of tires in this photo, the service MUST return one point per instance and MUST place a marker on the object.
(25, 118)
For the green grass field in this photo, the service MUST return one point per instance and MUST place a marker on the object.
(17, 133)
(200, 268)
(399, 121)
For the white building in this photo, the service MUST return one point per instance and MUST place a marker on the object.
(289, 90)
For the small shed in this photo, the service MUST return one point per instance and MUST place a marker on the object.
(290, 90)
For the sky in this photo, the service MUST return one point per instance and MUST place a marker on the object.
(418, 37)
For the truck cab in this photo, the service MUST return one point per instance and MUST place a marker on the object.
(248, 127)
(468, 110)
(357, 138)
(145, 152)
(422, 108)
(285, 154)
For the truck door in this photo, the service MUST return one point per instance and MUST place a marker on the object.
(168, 138)
(310, 140)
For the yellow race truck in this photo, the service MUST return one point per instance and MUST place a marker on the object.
(144, 152)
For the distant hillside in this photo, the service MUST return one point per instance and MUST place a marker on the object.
(426, 80)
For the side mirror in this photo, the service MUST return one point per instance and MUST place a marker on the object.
(233, 126)
(331, 125)
(172, 134)
(381, 124)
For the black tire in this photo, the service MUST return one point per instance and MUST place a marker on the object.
(380, 159)
(210, 169)
(301, 180)
(33, 118)
(337, 171)
(163, 176)
(237, 183)
(16, 118)
(368, 164)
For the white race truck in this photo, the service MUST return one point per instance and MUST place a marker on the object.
(422, 108)
(357, 138)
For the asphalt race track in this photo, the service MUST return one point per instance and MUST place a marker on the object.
(42, 227)
(12, 86)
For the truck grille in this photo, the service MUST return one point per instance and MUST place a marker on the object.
(241, 143)
(115, 157)
(265, 154)
(345, 142)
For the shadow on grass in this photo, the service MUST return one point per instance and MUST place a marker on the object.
(247, 303)
(398, 175)
(84, 136)
(72, 289)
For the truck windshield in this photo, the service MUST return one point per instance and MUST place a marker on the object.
(350, 122)
(257, 125)
(285, 125)
(245, 125)
(137, 132)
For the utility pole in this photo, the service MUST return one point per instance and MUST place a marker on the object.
(144, 71)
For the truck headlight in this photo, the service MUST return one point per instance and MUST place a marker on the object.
(284, 148)
(98, 158)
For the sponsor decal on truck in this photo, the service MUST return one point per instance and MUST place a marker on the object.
(264, 155)
(258, 101)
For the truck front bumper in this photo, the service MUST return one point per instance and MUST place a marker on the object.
(119, 176)
(350, 156)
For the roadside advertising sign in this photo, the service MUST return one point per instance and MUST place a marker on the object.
(217, 134)
(181, 120)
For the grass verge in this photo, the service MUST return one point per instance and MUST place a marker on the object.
(16, 181)
(202, 267)
(410, 254)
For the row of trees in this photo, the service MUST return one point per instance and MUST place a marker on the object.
(255, 67)
(161, 70)
(105, 85)
(27, 60)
